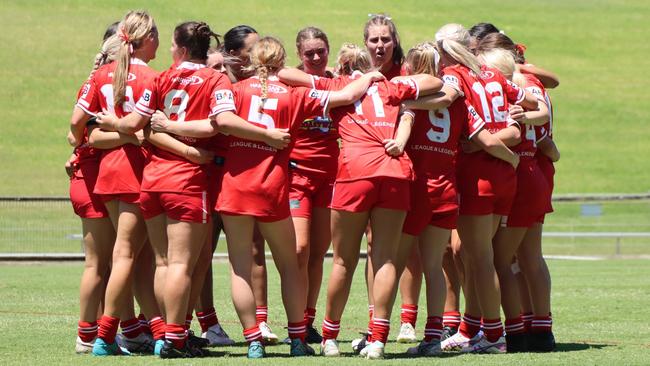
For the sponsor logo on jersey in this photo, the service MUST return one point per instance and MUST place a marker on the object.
(131, 76)
(192, 80)
(146, 96)
(487, 74)
(272, 88)
(318, 123)
(223, 96)
(316, 94)
(85, 90)
(451, 80)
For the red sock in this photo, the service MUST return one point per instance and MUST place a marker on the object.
(331, 328)
(528, 320)
(541, 324)
(207, 318)
(144, 325)
(515, 326)
(108, 328)
(451, 319)
(409, 314)
(87, 331)
(371, 313)
(261, 314)
(380, 329)
(157, 326)
(188, 321)
(253, 334)
(176, 334)
(297, 330)
(493, 329)
(433, 329)
(470, 326)
(310, 315)
(131, 328)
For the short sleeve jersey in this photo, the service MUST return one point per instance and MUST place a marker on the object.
(120, 169)
(433, 143)
(316, 147)
(255, 180)
(490, 93)
(185, 92)
(84, 154)
(365, 125)
(531, 135)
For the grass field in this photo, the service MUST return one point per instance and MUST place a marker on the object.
(598, 48)
(597, 310)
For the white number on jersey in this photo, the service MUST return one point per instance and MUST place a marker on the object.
(494, 88)
(441, 120)
(127, 106)
(176, 104)
(530, 134)
(254, 114)
(378, 105)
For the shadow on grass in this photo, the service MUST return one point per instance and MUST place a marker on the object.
(572, 347)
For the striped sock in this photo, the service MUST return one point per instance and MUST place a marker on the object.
(253, 334)
(310, 315)
(177, 334)
(188, 321)
(144, 325)
(541, 324)
(331, 328)
(451, 319)
(433, 329)
(528, 320)
(261, 314)
(87, 331)
(207, 318)
(108, 328)
(493, 329)
(380, 330)
(297, 330)
(157, 325)
(371, 313)
(515, 326)
(409, 314)
(470, 326)
(131, 328)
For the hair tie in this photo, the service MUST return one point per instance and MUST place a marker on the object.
(521, 48)
(371, 15)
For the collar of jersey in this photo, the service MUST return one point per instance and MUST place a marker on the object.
(137, 61)
(190, 66)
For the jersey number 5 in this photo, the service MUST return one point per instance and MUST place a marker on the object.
(254, 114)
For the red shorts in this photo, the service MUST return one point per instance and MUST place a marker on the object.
(433, 202)
(531, 202)
(486, 185)
(307, 191)
(187, 207)
(133, 198)
(264, 219)
(86, 204)
(364, 194)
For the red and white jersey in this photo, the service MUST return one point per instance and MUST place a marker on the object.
(433, 143)
(256, 176)
(84, 153)
(185, 92)
(394, 71)
(490, 93)
(316, 147)
(365, 125)
(531, 135)
(120, 169)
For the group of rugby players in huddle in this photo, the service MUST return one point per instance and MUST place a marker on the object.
(442, 156)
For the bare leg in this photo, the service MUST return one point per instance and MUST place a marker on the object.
(321, 237)
(505, 244)
(534, 268)
(98, 238)
(433, 242)
(157, 230)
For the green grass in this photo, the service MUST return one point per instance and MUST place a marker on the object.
(598, 310)
(598, 49)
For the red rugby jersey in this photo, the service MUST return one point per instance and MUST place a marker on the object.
(120, 168)
(531, 135)
(256, 175)
(84, 154)
(185, 92)
(365, 125)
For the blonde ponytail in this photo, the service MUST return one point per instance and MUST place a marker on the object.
(263, 74)
(353, 58)
(131, 31)
(453, 39)
(107, 54)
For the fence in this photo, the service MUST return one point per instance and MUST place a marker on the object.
(580, 225)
